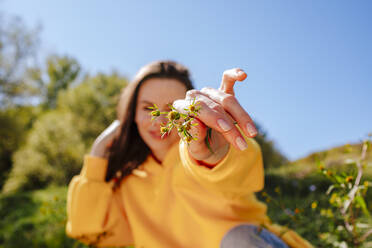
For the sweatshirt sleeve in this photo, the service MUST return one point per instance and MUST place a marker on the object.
(95, 215)
(239, 173)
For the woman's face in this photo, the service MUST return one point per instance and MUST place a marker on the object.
(161, 91)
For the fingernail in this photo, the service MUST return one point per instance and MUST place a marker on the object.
(239, 73)
(225, 126)
(251, 129)
(241, 143)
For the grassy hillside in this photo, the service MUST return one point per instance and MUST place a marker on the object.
(34, 219)
(37, 218)
(338, 158)
(294, 187)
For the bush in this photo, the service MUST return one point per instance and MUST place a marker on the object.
(93, 104)
(15, 123)
(272, 156)
(56, 144)
(330, 211)
(52, 154)
(39, 222)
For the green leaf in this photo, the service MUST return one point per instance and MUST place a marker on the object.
(330, 189)
(207, 139)
(339, 179)
(171, 107)
(362, 204)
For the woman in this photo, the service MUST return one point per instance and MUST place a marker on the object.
(137, 188)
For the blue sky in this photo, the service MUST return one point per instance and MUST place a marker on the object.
(308, 62)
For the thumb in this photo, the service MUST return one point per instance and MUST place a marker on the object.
(196, 146)
(198, 130)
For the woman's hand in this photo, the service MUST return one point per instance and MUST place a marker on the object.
(100, 145)
(220, 110)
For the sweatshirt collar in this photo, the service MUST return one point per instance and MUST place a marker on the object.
(152, 164)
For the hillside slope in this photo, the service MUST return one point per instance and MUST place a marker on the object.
(337, 158)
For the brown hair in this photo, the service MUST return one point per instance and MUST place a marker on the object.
(128, 150)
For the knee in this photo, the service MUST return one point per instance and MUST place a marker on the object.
(243, 236)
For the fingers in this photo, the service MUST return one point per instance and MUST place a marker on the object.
(220, 110)
(113, 128)
(110, 132)
(104, 140)
(233, 107)
(214, 116)
(229, 78)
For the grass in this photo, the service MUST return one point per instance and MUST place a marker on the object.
(300, 184)
(34, 219)
(337, 158)
(38, 218)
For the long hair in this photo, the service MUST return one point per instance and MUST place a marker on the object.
(128, 150)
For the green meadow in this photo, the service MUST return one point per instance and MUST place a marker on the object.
(37, 218)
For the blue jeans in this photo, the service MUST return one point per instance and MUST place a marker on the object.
(244, 236)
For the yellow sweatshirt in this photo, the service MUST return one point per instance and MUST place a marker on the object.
(176, 204)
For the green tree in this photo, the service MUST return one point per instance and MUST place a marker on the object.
(93, 103)
(272, 157)
(60, 73)
(15, 122)
(18, 44)
(54, 149)
(52, 154)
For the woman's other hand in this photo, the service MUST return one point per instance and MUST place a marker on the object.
(100, 145)
(220, 110)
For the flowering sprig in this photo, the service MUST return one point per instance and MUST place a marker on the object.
(348, 197)
(342, 217)
(181, 121)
